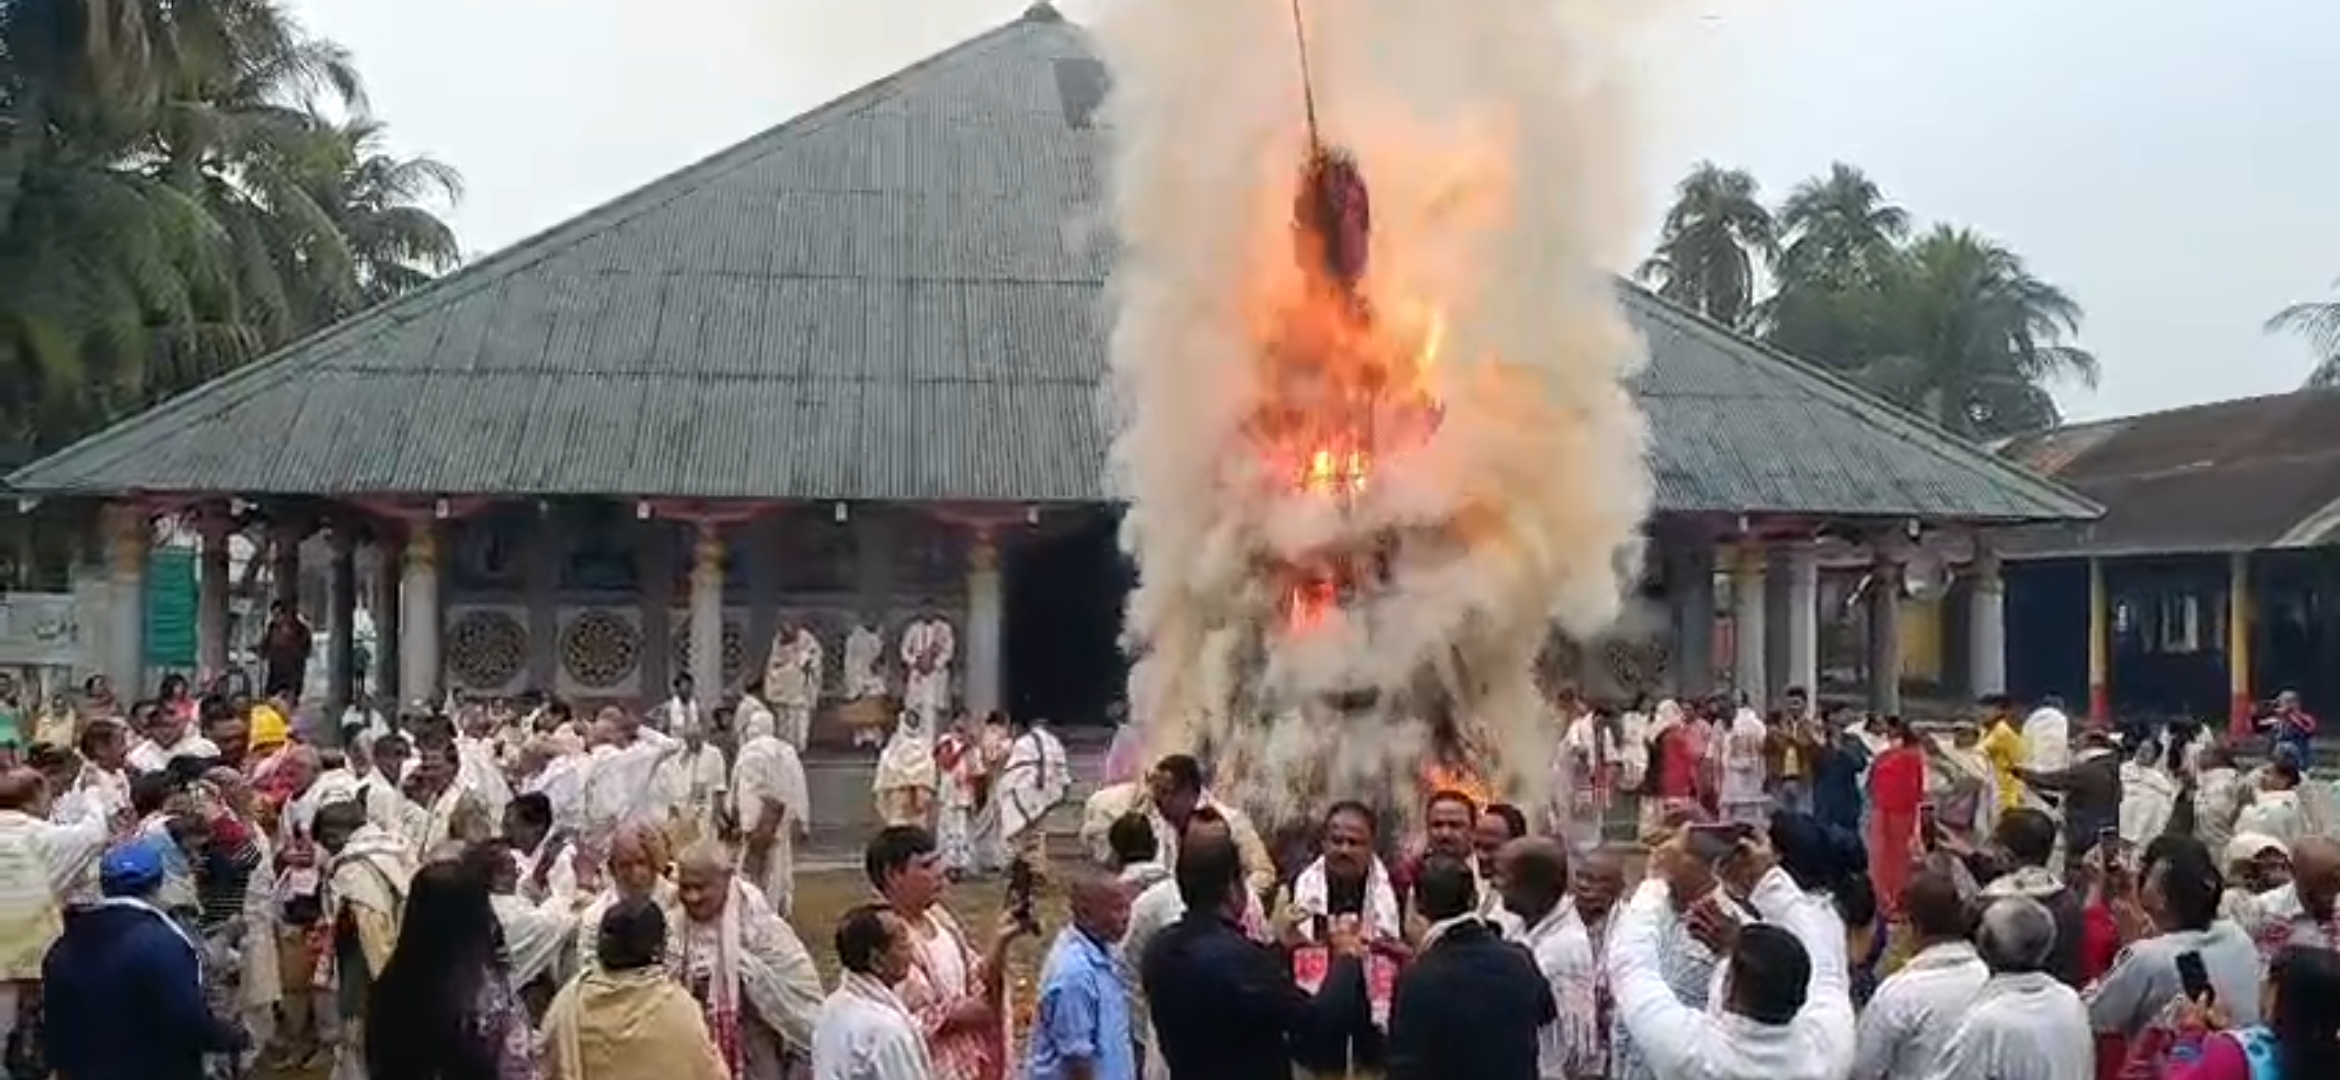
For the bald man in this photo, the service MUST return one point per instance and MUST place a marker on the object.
(1083, 1026)
(2302, 913)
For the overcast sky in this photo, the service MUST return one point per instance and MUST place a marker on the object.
(2165, 161)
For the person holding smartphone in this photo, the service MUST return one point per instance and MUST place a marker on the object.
(2188, 954)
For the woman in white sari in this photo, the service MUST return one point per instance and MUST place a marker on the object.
(2148, 797)
(751, 975)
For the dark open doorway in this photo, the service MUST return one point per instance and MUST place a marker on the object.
(1065, 591)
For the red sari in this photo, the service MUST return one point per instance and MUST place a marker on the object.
(1897, 784)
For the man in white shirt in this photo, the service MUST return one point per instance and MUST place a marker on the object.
(1915, 1009)
(863, 1031)
(1534, 873)
(2022, 1024)
(1788, 1011)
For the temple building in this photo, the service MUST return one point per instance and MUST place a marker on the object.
(2211, 584)
(846, 375)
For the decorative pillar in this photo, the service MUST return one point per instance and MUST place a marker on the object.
(419, 617)
(1986, 626)
(212, 583)
(2239, 617)
(1691, 581)
(1802, 625)
(129, 536)
(985, 652)
(1747, 629)
(1884, 599)
(540, 589)
(707, 608)
(341, 628)
(388, 674)
(2099, 645)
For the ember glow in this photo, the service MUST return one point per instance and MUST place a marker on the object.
(1366, 388)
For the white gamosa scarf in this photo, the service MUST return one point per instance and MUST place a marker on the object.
(1383, 921)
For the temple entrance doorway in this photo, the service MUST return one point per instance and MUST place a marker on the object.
(1065, 593)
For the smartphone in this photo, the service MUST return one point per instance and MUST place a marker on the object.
(2108, 840)
(1929, 827)
(1714, 842)
(1021, 885)
(2195, 978)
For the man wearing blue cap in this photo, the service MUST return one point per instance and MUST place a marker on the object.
(122, 965)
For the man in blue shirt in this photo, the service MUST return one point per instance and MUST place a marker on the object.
(1081, 1029)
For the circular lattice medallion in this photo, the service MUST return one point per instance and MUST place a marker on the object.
(599, 649)
(487, 649)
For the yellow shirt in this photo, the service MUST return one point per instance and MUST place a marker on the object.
(2003, 748)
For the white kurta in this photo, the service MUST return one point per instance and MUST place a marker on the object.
(1743, 798)
(149, 756)
(1915, 1010)
(864, 1032)
(41, 864)
(620, 785)
(2020, 1027)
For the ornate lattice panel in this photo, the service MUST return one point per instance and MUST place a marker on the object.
(735, 650)
(486, 648)
(600, 651)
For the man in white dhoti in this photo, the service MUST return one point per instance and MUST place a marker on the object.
(554, 766)
(905, 781)
(792, 678)
(1032, 781)
(538, 936)
(772, 806)
(927, 648)
(693, 784)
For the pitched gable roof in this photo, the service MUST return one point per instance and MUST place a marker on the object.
(2228, 476)
(897, 296)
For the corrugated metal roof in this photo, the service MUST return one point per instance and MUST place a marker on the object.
(898, 296)
(2227, 476)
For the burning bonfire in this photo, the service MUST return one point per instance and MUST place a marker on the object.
(1369, 472)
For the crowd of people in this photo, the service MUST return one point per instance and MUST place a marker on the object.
(205, 885)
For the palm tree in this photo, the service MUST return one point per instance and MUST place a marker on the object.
(1976, 337)
(376, 200)
(1842, 248)
(2319, 322)
(1839, 230)
(1707, 250)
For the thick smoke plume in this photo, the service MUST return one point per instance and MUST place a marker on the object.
(1493, 136)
